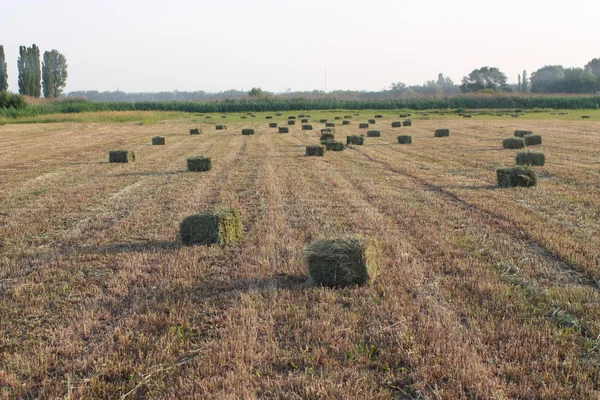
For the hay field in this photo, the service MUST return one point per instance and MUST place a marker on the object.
(482, 292)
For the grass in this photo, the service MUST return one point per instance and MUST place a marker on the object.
(481, 292)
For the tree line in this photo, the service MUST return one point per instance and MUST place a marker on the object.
(49, 77)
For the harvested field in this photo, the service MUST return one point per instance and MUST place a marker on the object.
(481, 292)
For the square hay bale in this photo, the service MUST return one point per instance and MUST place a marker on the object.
(323, 121)
(315, 150)
(327, 136)
(378, 116)
(407, 122)
(342, 262)
(307, 127)
(304, 120)
(244, 117)
(405, 139)
(291, 122)
(301, 115)
(221, 127)
(532, 140)
(516, 176)
(121, 156)
(396, 124)
(221, 227)
(223, 116)
(372, 121)
(337, 118)
(278, 114)
(347, 116)
(356, 114)
(513, 143)
(585, 116)
(195, 131)
(355, 139)
(362, 125)
(284, 129)
(247, 131)
(273, 125)
(373, 133)
(522, 133)
(345, 122)
(269, 117)
(199, 164)
(249, 113)
(207, 117)
(404, 115)
(158, 140)
(253, 116)
(442, 132)
(332, 145)
(329, 124)
(326, 130)
(530, 158)
(291, 117)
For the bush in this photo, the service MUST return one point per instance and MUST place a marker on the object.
(521, 133)
(121, 156)
(284, 129)
(442, 132)
(199, 164)
(221, 127)
(157, 140)
(217, 227)
(326, 137)
(291, 122)
(405, 139)
(516, 176)
(195, 131)
(373, 133)
(362, 125)
(345, 122)
(407, 122)
(355, 139)
(396, 124)
(332, 145)
(307, 127)
(532, 140)
(341, 262)
(273, 125)
(315, 150)
(247, 131)
(530, 158)
(329, 124)
(9, 100)
(513, 143)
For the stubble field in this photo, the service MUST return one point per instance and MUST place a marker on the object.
(482, 292)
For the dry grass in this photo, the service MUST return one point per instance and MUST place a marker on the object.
(482, 292)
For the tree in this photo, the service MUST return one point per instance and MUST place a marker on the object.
(3, 71)
(519, 84)
(54, 73)
(524, 82)
(490, 78)
(30, 74)
(255, 92)
(594, 67)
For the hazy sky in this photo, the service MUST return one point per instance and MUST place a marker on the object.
(150, 45)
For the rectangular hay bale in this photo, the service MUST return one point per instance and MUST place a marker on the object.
(221, 227)
(405, 139)
(315, 151)
(373, 133)
(158, 140)
(516, 176)
(121, 156)
(247, 131)
(199, 164)
(355, 139)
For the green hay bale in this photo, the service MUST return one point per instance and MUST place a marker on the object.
(208, 117)
(513, 143)
(315, 150)
(355, 139)
(532, 140)
(347, 116)
(269, 117)
(405, 139)
(530, 158)
(307, 116)
(562, 113)
(585, 116)
(337, 118)
(522, 133)
(356, 114)
(396, 124)
(362, 125)
(291, 122)
(253, 116)
(341, 262)
(345, 122)
(407, 122)
(373, 133)
(121, 156)
(372, 121)
(199, 164)
(301, 115)
(247, 131)
(244, 117)
(332, 145)
(221, 227)
(326, 130)
(221, 127)
(323, 121)
(284, 129)
(516, 176)
(273, 125)
(378, 116)
(515, 115)
(249, 113)
(330, 124)
(195, 131)
(441, 132)
(291, 117)
(404, 115)
(467, 116)
(304, 120)
(326, 137)
(223, 116)
(278, 114)
(158, 140)
(307, 127)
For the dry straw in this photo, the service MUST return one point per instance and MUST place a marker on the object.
(214, 227)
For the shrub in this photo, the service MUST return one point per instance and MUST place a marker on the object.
(121, 156)
(516, 176)
(273, 125)
(513, 143)
(345, 122)
(329, 124)
(362, 125)
(195, 131)
(532, 140)
(442, 132)
(307, 127)
(521, 133)
(341, 262)
(216, 227)
(530, 158)
(332, 145)
(315, 150)
(284, 129)
(199, 164)
(355, 139)
(372, 121)
(373, 133)
(396, 124)
(327, 136)
(158, 140)
(405, 139)
(407, 122)
(291, 122)
(247, 131)
(221, 127)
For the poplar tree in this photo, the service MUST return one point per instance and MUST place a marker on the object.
(3, 71)
(54, 73)
(30, 73)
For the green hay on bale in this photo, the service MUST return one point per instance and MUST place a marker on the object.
(522, 133)
(221, 227)
(195, 131)
(355, 139)
(585, 116)
(278, 114)
(396, 124)
(247, 131)
(269, 117)
(323, 121)
(345, 122)
(158, 140)
(341, 262)
(347, 116)
(291, 122)
(407, 122)
(516, 176)
(373, 133)
(330, 124)
(307, 127)
(244, 117)
(315, 150)
(284, 129)
(199, 164)
(337, 118)
(362, 125)
(291, 117)
(404, 115)
(378, 116)
(304, 120)
(221, 127)
(326, 137)
(121, 156)
(326, 130)
(372, 121)
(273, 125)
(332, 145)
(532, 140)
(441, 133)
(301, 115)
(513, 143)
(530, 158)
(405, 139)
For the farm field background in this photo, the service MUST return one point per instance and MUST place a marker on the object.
(482, 292)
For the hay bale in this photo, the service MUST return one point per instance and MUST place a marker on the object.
(396, 124)
(301, 115)
(405, 139)
(356, 114)
(378, 116)
(513, 143)
(323, 121)
(307, 127)
(214, 227)
(253, 116)
(269, 117)
(516, 176)
(530, 158)
(373, 133)
(291, 122)
(195, 131)
(207, 117)
(355, 139)
(341, 262)
(337, 118)
(442, 132)
(247, 131)
(291, 117)
(121, 156)
(332, 145)
(522, 133)
(278, 114)
(347, 116)
(244, 117)
(407, 122)
(221, 127)
(404, 115)
(330, 124)
(199, 164)
(273, 125)
(585, 116)
(223, 116)
(158, 140)
(362, 125)
(327, 130)
(315, 150)
(372, 121)
(345, 122)
(468, 115)
(284, 129)
(326, 137)
(304, 120)
(532, 140)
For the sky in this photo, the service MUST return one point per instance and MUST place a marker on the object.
(212, 45)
